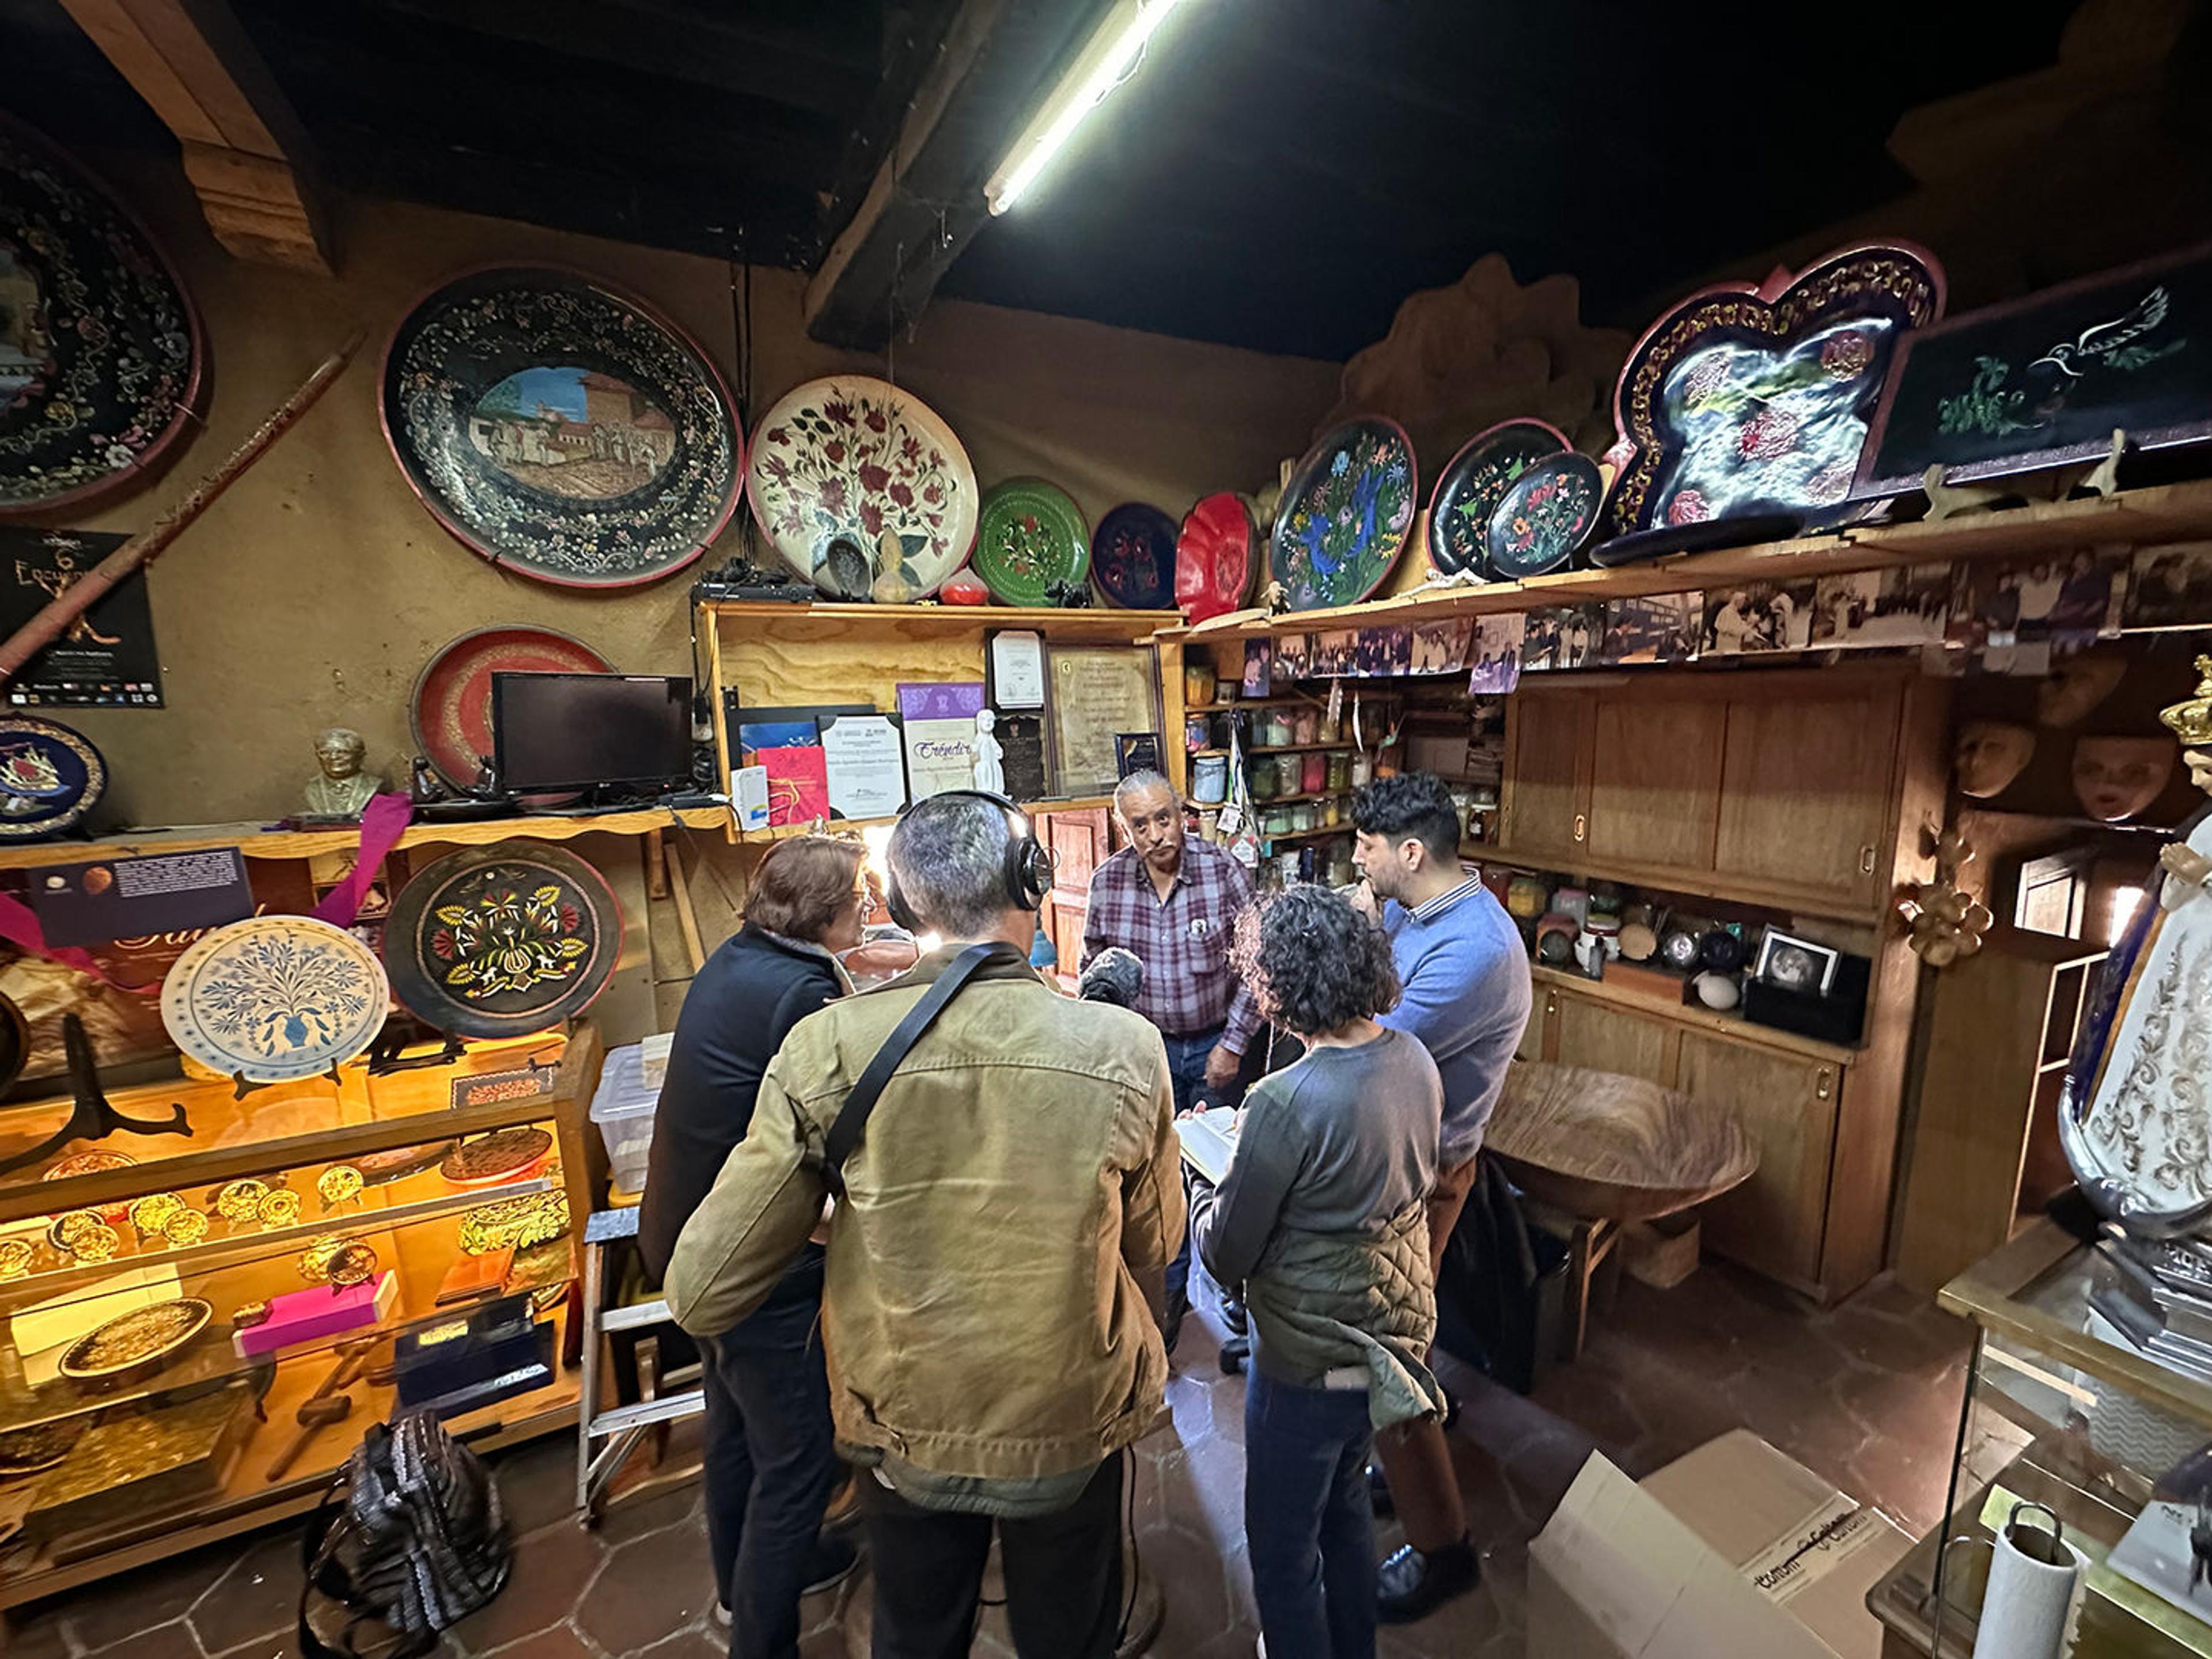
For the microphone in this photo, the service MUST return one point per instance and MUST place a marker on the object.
(1114, 975)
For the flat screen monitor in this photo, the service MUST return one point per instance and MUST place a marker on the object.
(582, 731)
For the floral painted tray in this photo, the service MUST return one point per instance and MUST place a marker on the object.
(1544, 517)
(275, 999)
(561, 428)
(1344, 519)
(50, 777)
(1030, 538)
(1132, 557)
(502, 941)
(852, 480)
(1475, 480)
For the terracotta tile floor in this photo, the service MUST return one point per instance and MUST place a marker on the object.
(1866, 1394)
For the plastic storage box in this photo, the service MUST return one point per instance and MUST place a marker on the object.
(622, 1108)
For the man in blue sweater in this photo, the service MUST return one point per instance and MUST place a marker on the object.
(1465, 975)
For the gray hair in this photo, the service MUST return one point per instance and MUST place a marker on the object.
(1136, 784)
(948, 856)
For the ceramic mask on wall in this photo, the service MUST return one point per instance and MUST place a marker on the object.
(2076, 686)
(2115, 778)
(1991, 755)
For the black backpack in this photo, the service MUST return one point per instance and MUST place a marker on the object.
(412, 1537)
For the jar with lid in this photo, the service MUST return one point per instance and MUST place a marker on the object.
(1305, 726)
(1260, 777)
(1290, 773)
(1313, 774)
(1340, 770)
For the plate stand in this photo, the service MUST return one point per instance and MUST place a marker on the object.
(93, 1116)
(2053, 484)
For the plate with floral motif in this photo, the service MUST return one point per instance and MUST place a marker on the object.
(275, 999)
(1475, 480)
(101, 358)
(561, 428)
(1132, 557)
(852, 480)
(1344, 519)
(1031, 537)
(50, 777)
(502, 941)
(1547, 515)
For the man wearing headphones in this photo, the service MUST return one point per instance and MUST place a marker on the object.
(1009, 1197)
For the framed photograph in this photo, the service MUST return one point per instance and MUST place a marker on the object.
(1136, 752)
(1790, 964)
(2170, 587)
(2043, 380)
(2052, 893)
(1099, 692)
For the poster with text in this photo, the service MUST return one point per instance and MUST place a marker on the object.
(107, 656)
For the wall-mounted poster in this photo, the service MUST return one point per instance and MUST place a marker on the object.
(2046, 380)
(939, 718)
(106, 657)
(1098, 691)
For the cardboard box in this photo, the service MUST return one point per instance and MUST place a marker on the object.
(1732, 1549)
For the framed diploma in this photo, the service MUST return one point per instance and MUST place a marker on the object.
(1098, 691)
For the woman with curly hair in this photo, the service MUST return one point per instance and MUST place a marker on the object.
(1321, 1218)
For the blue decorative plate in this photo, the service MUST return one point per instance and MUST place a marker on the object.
(1344, 519)
(275, 999)
(1475, 480)
(561, 428)
(50, 777)
(1132, 557)
(1548, 513)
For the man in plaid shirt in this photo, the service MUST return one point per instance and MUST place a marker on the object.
(1173, 901)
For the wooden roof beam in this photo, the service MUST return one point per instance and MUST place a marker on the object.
(243, 149)
(997, 60)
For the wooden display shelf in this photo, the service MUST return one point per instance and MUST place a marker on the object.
(1698, 1018)
(1261, 804)
(258, 841)
(832, 826)
(1310, 834)
(2133, 518)
(1708, 885)
(1093, 624)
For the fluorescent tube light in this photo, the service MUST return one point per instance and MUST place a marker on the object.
(1103, 63)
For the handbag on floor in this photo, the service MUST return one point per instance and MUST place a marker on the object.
(411, 1538)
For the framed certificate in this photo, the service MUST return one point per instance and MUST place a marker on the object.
(1098, 691)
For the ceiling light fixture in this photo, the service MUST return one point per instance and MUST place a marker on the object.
(1104, 63)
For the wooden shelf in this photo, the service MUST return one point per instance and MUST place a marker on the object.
(1261, 804)
(259, 842)
(1727, 889)
(1303, 748)
(1310, 834)
(832, 826)
(1699, 1018)
(818, 620)
(2135, 518)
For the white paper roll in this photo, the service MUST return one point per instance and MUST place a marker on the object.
(2027, 1610)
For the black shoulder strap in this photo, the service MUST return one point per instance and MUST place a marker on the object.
(852, 1118)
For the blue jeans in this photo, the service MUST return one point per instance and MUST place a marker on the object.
(1187, 1057)
(1308, 1519)
(771, 1465)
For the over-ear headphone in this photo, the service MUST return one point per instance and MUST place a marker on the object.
(1028, 867)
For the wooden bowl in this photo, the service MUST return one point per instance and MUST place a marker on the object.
(1611, 1148)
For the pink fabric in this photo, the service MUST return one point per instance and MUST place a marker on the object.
(19, 925)
(382, 822)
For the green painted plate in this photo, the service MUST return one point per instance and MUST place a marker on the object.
(1029, 536)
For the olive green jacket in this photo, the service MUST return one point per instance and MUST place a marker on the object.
(996, 1265)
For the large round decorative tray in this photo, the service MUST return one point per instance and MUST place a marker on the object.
(274, 999)
(1344, 517)
(1217, 557)
(141, 1340)
(50, 777)
(1031, 538)
(504, 940)
(1475, 480)
(101, 358)
(1132, 557)
(563, 429)
(451, 708)
(852, 479)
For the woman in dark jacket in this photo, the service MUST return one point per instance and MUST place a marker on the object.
(770, 1463)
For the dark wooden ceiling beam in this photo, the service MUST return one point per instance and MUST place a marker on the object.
(997, 61)
(243, 149)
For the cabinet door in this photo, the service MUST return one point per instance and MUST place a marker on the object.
(1078, 842)
(1608, 1039)
(1548, 773)
(1805, 789)
(1775, 1220)
(1655, 778)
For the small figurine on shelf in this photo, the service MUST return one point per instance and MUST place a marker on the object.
(344, 786)
(989, 768)
(1069, 596)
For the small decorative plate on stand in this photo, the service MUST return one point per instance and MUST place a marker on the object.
(50, 777)
(451, 708)
(274, 999)
(137, 1343)
(502, 941)
(561, 428)
(101, 358)
(1132, 557)
(1344, 519)
(852, 480)
(1547, 513)
(1475, 480)
(1216, 557)
(1031, 537)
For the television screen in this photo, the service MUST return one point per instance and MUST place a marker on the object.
(575, 730)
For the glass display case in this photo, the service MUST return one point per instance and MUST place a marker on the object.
(195, 1328)
(2077, 1400)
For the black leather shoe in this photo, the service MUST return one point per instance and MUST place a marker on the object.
(1233, 1316)
(1378, 1493)
(1171, 1329)
(1413, 1585)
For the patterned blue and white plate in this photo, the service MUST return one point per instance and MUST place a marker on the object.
(275, 999)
